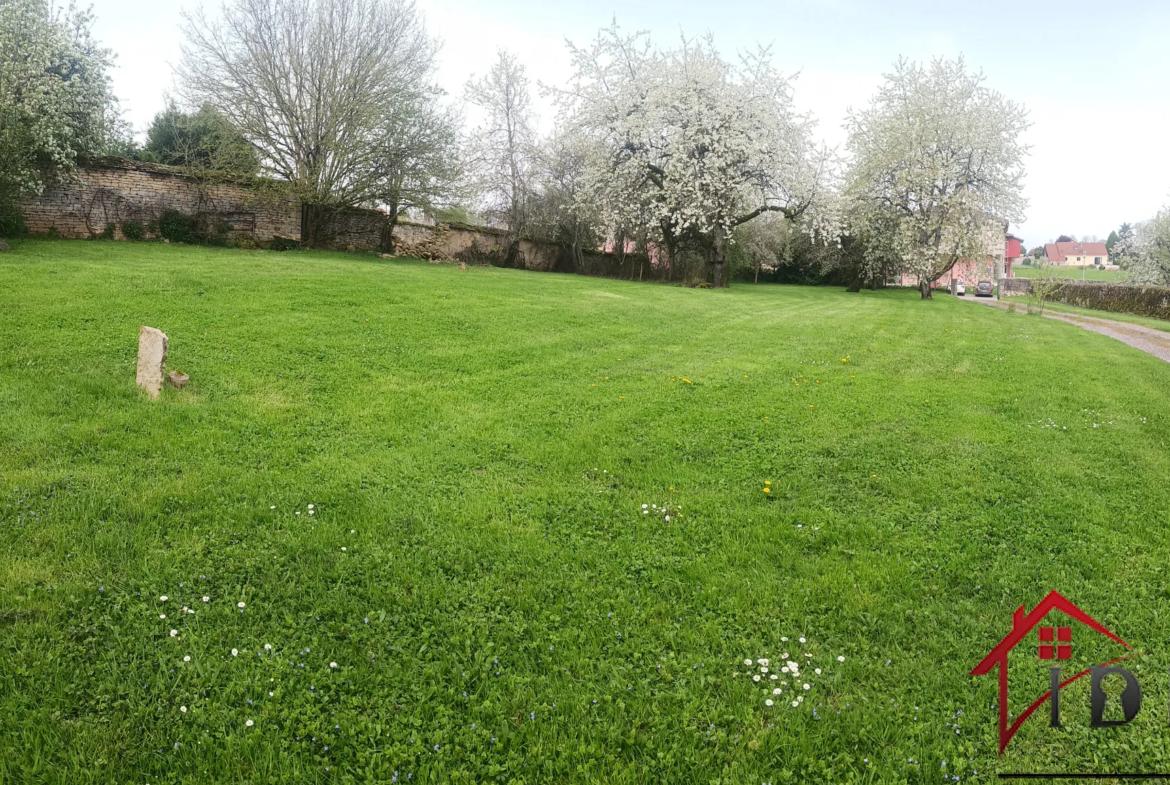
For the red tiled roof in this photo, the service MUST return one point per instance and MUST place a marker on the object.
(1059, 252)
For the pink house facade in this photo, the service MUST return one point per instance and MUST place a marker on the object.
(1002, 253)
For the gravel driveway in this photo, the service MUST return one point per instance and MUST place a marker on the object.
(1146, 339)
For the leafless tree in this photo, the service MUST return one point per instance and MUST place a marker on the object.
(503, 148)
(311, 84)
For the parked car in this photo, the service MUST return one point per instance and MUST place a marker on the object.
(984, 289)
(960, 289)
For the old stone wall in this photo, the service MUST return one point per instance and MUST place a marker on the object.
(113, 191)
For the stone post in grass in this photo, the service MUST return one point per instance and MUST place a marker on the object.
(152, 360)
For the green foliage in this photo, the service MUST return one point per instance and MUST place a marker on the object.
(499, 580)
(108, 232)
(11, 223)
(202, 141)
(453, 215)
(133, 230)
(55, 102)
(178, 227)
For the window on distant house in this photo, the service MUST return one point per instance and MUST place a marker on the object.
(1097, 260)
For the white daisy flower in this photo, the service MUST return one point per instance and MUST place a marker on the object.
(768, 702)
(777, 691)
(795, 704)
(747, 662)
(763, 669)
(183, 709)
(239, 605)
(333, 665)
(764, 662)
(806, 687)
(310, 506)
(187, 658)
(841, 659)
(163, 598)
(817, 671)
(773, 677)
(207, 599)
(248, 723)
(273, 507)
(343, 549)
(267, 647)
(802, 639)
(755, 678)
(162, 615)
(784, 640)
(174, 633)
(235, 653)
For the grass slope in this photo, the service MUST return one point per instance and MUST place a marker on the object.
(478, 447)
(1088, 273)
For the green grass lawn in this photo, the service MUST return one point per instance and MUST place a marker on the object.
(1088, 274)
(1072, 310)
(438, 481)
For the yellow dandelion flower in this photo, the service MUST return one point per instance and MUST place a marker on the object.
(767, 490)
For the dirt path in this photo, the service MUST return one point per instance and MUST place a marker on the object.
(1145, 339)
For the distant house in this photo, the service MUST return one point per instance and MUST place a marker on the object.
(1013, 250)
(1077, 254)
(1003, 250)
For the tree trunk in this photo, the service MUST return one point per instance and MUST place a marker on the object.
(855, 287)
(719, 257)
(757, 273)
(924, 288)
(873, 283)
(386, 245)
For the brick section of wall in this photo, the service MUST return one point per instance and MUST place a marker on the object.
(360, 228)
(114, 191)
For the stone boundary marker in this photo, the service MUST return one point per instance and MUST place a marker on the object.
(152, 360)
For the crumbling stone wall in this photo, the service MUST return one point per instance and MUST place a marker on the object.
(114, 190)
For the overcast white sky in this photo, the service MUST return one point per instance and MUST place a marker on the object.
(1093, 74)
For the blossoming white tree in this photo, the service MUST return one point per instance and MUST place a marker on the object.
(937, 164)
(55, 100)
(1151, 250)
(693, 146)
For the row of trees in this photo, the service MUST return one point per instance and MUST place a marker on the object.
(694, 158)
